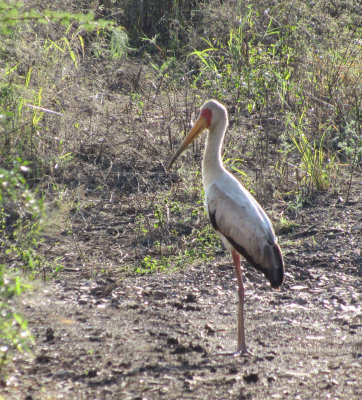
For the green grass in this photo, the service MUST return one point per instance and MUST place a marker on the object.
(284, 225)
(313, 165)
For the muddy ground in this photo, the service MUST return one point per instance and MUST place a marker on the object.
(159, 336)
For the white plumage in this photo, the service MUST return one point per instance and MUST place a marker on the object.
(236, 216)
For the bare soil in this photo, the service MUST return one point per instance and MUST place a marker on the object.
(159, 336)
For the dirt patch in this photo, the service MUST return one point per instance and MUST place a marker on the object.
(159, 336)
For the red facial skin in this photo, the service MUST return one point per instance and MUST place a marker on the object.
(207, 114)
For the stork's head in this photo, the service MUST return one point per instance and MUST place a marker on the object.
(212, 113)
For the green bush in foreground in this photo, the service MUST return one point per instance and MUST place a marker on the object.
(14, 333)
(18, 208)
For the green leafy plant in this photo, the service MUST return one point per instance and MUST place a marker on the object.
(150, 265)
(22, 219)
(13, 12)
(119, 43)
(14, 332)
(18, 203)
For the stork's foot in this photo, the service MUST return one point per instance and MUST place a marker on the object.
(243, 353)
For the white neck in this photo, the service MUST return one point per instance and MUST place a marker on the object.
(211, 163)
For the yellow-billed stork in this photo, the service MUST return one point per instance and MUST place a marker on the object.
(236, 216)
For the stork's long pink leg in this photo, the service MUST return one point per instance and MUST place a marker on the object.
(241, 331)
